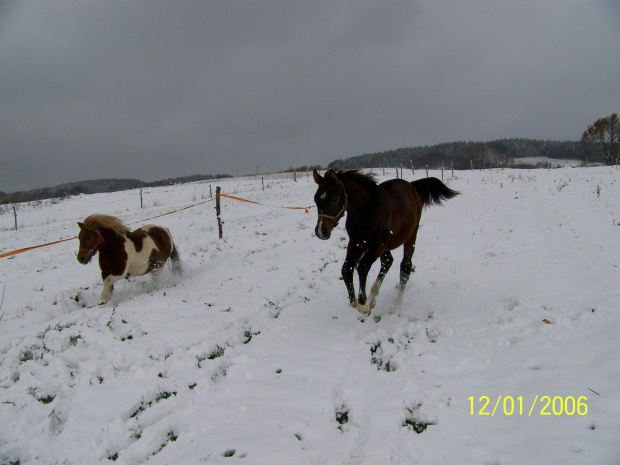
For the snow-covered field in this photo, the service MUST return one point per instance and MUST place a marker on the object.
(255, 357)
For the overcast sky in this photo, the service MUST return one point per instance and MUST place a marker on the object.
(157, 89)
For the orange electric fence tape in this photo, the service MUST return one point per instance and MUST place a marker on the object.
(306, 209)
(173, 211)
(26, 249)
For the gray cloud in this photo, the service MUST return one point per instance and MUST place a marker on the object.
(159, 89)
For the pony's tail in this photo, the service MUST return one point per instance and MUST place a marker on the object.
(175, 260)
(432, 191)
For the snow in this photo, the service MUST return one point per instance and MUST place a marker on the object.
(254, 355)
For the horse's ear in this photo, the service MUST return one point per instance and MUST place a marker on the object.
(317, 177)
(81, 225)
(332, 176)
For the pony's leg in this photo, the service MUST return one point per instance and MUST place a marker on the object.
(405, 268)
(156, 273)
(386, 263)
(175, 261)
(108, 287)
(366, 262)
(354, 253)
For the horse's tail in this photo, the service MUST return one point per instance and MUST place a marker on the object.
(432, 191)
(175, 260)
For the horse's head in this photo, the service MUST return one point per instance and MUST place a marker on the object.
(331, 203)
(89, 243)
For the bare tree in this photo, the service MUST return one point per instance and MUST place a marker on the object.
(602, 140)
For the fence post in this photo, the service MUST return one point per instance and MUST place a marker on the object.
(442, 171)
(210, 192)
(452, 168)
(412, 170)
(396, 173)
(427, 171)
(217, 210)
(141, 204)
(15, 215)
(262, 180)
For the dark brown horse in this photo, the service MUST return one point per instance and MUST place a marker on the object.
(123, 253)
(380, 218)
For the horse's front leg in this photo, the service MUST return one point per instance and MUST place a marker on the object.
(108, 287)
(354, 253)
(386, 262)
(363, 269)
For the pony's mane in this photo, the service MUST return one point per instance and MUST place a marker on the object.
(112, 223)
(365, 179)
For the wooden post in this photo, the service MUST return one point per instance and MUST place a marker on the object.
(262, 180)
(141, 203)
(396, 173)
(210, 192)
(217, 210)
(452, 168)
(427, 171)
(412, 170)
(15, 215)
(295, 175)
(442, 171)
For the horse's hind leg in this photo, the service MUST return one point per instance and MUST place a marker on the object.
(405, 268)
(386, 263)
(175, 261)
(156, 273)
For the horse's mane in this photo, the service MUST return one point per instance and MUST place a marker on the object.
(98, 221)
(365, 179)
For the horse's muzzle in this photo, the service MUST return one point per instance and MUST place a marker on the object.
(83, 259)
(322, 232)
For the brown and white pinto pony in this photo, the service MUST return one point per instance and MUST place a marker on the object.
(124, 253)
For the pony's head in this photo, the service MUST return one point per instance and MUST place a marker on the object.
(331, 203)
(90, 241)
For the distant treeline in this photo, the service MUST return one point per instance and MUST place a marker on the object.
(301, 169)
(97, 186)
(464, 155)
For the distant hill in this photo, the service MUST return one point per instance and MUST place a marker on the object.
(95, 186)
(465, 154)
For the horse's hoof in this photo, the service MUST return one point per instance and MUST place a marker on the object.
(354, 304)
(103, 302)
(364, 309)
